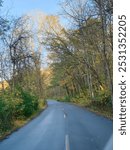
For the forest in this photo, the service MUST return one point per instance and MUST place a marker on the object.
(78, 67)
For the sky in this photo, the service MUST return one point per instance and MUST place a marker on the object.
(20, 7)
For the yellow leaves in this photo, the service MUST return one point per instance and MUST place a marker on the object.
(101, 87)
(53, 20)
(52, 25)
(47, 75)
(3, 85)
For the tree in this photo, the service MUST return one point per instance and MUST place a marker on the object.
(77, 53)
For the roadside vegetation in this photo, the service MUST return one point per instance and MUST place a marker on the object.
(78, 67)
(21, 79)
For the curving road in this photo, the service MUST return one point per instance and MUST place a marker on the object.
(62, 127)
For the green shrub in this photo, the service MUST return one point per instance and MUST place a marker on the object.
(30, 103)
(16, 105)
(7, 111)
(67, 99)
(103, 99)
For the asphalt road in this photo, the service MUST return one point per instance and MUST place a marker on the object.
(62, 127)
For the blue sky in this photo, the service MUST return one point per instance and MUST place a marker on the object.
(20, 7)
